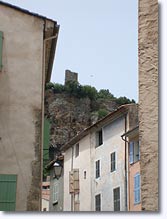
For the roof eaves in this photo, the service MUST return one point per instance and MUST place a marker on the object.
(122, 110)
(25, 11)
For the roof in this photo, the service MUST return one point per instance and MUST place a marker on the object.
(24, 10)
(121, 111)
(51, 163)
(48, 32)
(131, 132)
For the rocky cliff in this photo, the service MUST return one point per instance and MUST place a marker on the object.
(69, 115)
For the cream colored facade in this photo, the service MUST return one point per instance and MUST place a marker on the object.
(22, 81)
(113, 126)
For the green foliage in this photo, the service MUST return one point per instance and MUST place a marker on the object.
(105, 94)
(81, 91)
(124, 100)
(102, 113)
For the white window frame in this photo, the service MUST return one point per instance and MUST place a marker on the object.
(55, 192)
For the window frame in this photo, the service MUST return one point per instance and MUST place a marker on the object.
(117, 201)
(77, 150)
(99, 138)
(137, 187)
(97, 169)
(112, 162)
(98, 205)
(55, 192)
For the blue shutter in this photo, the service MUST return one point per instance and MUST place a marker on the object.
(131, 152)
(137, 188)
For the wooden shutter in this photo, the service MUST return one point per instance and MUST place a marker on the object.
(8, 192)
(74, 181)
(1, 46)
(71, 182)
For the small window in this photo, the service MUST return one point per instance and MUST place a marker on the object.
(84, 174)
(99, 138)
(98, 202)
(116, 193)
(55, 192)
(134, 152)
(77, 150)
(137, 188)
(113, 162)
(97, 169)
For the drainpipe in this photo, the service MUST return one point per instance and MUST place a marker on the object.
(42, 105)
(126, 183)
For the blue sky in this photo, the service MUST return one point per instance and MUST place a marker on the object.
(97, 39)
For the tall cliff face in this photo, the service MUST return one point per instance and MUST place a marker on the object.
(69, 115)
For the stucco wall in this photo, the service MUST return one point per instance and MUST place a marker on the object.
(133, 169)
(112, 142)
(148, 102)
(20, 104)
(82, 162)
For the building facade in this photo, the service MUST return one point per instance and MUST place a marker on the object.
(26, 58)
(148, 102)
(95, 171)
(133, 163)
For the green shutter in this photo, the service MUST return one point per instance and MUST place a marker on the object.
(1, 45)
(7, 192)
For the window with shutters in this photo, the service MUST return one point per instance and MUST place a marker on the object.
(137, 188)
(116, 193)
(134, 152)
(8, 192)
(97, 169)
(55, 191)
(113, 161)
(1, 46)
(98, 202)
(99, 138)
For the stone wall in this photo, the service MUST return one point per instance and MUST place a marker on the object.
(148, 102)
(70, 76)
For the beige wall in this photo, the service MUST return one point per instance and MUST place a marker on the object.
(148, 102)
(90, 186)
(20, 104)
(82, 162)
(112, 142)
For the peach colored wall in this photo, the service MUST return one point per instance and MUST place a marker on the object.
(133, 169)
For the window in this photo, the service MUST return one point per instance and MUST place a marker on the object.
(8, 192)
(116, 193)
(84, 174)
(97, 169)
(137, 188)
(113, 162)
(99, 138)
(134, 152)
(1, 45)
(55, 192)
(77, 150)
(98, 202)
